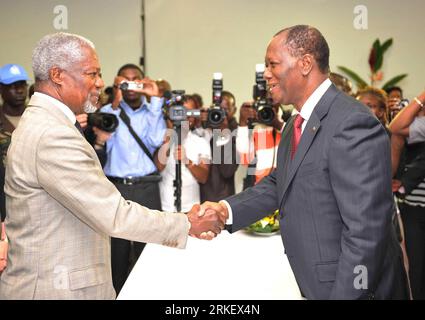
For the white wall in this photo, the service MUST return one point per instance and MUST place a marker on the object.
(114, 27)
(188, 40)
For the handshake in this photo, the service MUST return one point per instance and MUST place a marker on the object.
(207, 220)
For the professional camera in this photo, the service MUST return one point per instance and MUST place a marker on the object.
(104, 121)
(265, 112)
(216, 114)
(176, 111)
(130, 85)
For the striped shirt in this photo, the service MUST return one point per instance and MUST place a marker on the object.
(417, 196)
(263, 146)
(416, 135)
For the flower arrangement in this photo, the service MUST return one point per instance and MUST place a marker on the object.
(376, 60)
(267, 225)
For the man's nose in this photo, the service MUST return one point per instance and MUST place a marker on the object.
(99, 83)
(267, 74)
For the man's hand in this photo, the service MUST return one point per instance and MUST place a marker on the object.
(3, 249)
(3, 255)
(393, 105)
(180, 154)
(117, 91)
(204, 225)
(396, 184)
(101, 136)
(150, 88)
(82, 119)
(247, 112)
(214, 208)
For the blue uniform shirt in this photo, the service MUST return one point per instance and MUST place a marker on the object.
(125, 157)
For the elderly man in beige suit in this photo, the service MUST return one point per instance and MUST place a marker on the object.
(61, 208)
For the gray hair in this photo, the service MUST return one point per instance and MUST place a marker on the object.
(62, 50)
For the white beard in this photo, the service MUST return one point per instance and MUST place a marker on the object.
(89, 107)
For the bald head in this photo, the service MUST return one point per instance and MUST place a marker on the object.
(303, 39)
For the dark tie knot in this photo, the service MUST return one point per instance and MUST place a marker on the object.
(78, 126)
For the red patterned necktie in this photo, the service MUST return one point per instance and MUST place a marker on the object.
(296, 135)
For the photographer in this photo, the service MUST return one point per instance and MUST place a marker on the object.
(408, 130)
(257, 146)
(94, 135)
(195, 156)
(221, 178)
(395, 98)
(128, 162)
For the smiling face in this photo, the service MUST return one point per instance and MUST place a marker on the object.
(83, 83)
(282, 73)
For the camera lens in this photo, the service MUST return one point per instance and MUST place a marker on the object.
(266, 115)
(215, 116)
(124, 86)
(105, 121)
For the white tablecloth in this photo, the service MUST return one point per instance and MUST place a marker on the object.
(237, 266)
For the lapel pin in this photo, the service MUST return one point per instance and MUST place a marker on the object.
(313, 129)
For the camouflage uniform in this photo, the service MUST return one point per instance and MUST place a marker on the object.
(4, 143)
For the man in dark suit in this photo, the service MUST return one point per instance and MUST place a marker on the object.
(332, 183)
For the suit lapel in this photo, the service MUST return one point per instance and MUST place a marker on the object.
(284, 149)
(310, 131)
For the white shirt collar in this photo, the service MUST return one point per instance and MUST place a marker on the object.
(310, 104)
(68, 113)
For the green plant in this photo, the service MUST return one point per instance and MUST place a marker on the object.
(376, 60)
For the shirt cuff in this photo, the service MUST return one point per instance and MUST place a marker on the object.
(242, 140)
(229, 220)
(156, 103)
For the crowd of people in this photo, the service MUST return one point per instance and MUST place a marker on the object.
(141, 159)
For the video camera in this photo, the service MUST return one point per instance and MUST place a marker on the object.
(216, 114)
(176, 111)
(104, 121)
(265, 112)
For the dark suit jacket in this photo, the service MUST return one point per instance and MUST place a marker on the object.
(414, 171)
(335, 203)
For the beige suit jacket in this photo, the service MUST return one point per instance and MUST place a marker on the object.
(62, 211)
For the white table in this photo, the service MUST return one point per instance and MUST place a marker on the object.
(240, 266)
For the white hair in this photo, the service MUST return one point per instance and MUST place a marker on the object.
(62, 50)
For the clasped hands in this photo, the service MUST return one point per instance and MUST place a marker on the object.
(207, 220)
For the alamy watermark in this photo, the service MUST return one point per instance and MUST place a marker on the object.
(360, 281)
(226, 154)
(360, 21)
(60, 21)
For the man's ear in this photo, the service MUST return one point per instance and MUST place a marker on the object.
(306, 64)
(56, 75)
